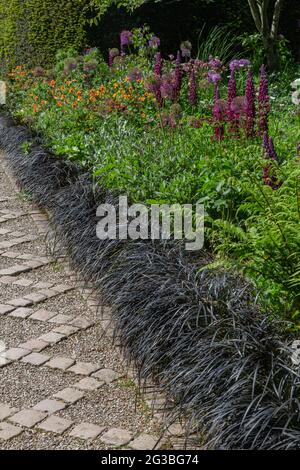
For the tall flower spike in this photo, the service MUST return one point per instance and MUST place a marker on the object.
(193, 98)
(178, 75)
(158, 64)
(264, 102)
(250, 105)
(232, 87)
(232, 92)
(218, 116)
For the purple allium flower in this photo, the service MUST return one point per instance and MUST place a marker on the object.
(193, 98)
(238, 106)
(135, 74)
(158, 64)
(154, 42)
(186, 48)
(125, 39)
(112, 54)
(213, 77)
(250, 105)
(178, 75)
(238, 63)
(214, 63)
(264, 101)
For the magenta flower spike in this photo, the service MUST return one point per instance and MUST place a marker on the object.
(193, 98)
(178, 75)
(158, 64)
(250, 105)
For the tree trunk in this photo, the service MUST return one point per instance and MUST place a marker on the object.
(272, 54)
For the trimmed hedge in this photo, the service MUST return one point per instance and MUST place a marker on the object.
(33, 30)
(198, 331)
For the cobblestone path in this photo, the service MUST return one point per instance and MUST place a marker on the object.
(63, 384)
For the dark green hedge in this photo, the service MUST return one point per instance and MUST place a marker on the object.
(31, 31)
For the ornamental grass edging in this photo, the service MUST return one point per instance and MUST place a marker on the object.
(198, 331)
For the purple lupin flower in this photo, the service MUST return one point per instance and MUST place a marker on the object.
(218, 115)
(269, 174)
(167, 88)
(153, 84)
(250, 105)
(193, 98)
(158, 64)
(178, 75)
(231, 96)
(125, 39)
(272, 151)
(264, 102)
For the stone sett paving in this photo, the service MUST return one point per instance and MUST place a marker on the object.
(63, 383)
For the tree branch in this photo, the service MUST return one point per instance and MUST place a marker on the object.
(255, 14)
(276, 18)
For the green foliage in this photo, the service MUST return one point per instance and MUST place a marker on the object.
(33, 30)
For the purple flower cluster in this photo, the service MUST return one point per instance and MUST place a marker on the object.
(158, 64)
(125, 39)
(167, 88)
(238, 63)
(186, 48)
(269, 175)
(153, 84)
(193, 97)
(154, 42)
(178, 75)
(112, 54)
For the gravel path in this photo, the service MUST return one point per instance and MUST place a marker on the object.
(63, 384)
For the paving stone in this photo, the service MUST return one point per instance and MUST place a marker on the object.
(49, 293)
(61, 319)
(60, 362)
(16, 353)
(34, 264)
(49, 406)
(23, 282)
(51, 337)
(143, 442)
(36, 359)
(43, 285)
(6, 411)
(62, 288)
(42, 315)
(8, 431)
(4, 231)
(10, 254)
(34, 345)
(107, 375)
(5, 309)
(4, 362)
(14, 270)
(89, 383)
(81, 322)
(66, 330)
(87, 431)
(83, 368)
(7, 279)
(22, 312)
(35, 298)
(55, 424)
(28, 418)
(116, 437)
(70, 395)
(20, 302)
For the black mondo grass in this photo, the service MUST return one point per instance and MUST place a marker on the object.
(197, 331)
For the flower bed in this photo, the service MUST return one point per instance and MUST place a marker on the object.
(167, 131)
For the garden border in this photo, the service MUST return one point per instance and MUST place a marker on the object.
(196, 330)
